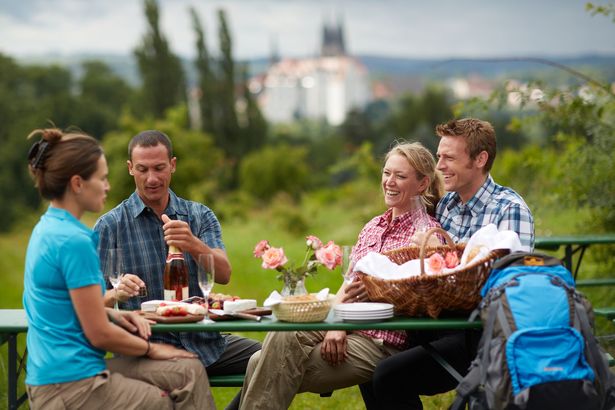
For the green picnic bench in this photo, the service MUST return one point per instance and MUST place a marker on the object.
(573, 244)
(13, 322)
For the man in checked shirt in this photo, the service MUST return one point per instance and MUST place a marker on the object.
(465, 155)
(143, 226)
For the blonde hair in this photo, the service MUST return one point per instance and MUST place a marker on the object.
(424, 165)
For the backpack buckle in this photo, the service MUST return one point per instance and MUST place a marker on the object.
(533, 260)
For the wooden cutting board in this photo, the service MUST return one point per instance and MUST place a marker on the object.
(172, 319)
(259, 311)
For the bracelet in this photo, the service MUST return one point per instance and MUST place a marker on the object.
(148, 347)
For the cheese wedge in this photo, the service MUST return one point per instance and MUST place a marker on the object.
(239, 305)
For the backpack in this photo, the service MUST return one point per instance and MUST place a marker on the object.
(537, 350)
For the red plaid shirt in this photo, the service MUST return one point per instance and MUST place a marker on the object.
(382, 234)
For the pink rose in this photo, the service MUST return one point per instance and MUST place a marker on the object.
(313, 242)
(435, 263)
(451, 260)
(273, 258)
(329, 255)
(260, 248)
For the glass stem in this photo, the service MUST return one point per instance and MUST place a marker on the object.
(116, 303)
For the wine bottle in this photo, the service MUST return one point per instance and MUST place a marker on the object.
(175, 275)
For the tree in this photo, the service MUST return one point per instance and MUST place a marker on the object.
(254, 131)
(207, 80)
(229, 133)
(581, 124)
(101, 99)
(30, 97)
(161, 71)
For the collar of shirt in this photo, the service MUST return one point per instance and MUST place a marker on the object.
(174, 207)
(386, 219)
(477, 203)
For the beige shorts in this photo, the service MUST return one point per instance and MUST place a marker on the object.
(130, 383)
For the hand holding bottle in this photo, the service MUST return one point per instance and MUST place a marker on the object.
(178, 233)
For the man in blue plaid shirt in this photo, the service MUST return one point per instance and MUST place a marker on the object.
(144, 225)
(465, 155)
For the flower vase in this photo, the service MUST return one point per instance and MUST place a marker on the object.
(293, 287)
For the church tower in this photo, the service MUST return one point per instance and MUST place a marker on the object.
(333, 44)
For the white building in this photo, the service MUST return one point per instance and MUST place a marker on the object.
(325, 87)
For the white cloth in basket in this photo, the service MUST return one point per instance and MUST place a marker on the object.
(486, 239)
(489, 238)
(274, 298)
(380, 266)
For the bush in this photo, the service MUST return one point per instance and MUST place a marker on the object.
(275, 169)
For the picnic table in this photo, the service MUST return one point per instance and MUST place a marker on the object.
(14, 321)
(573, 244)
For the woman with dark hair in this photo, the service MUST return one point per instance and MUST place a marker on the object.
(69, 327)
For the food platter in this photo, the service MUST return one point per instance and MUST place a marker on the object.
(189, 318)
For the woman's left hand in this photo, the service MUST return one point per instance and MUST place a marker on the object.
(132, 322)
(355, 292)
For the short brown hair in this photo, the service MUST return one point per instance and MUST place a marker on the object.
(479, 136)
(58, 156)
(150, 138)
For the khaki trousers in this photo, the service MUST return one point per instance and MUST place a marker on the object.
(131, 383)
(291, 363)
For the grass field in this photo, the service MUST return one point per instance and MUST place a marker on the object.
(341, 222)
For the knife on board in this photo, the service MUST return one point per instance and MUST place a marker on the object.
(239, 315)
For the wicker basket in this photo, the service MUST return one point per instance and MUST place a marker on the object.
(303, 312)
(431, 294)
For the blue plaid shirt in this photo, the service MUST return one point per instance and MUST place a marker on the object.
(137, 229)
(492, 203)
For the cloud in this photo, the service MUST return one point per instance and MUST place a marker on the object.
(439, 28)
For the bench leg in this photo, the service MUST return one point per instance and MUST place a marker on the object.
(14, 372)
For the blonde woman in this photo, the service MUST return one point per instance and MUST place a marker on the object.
(296, 362)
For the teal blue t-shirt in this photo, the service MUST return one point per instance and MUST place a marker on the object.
(61, 256)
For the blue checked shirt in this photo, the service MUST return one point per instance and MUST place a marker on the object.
(492, 203)
(136, 229)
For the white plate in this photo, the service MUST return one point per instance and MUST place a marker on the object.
(387, 315)
(366, 317)
(375, 312)
(363, 307)
(364, 320)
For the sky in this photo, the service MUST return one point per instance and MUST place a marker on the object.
(395, 28)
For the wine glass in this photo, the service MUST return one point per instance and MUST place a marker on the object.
(421, 220)
(112, 269)
(206, 275)
(347, 266)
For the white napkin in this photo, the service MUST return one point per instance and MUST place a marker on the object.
(380, 266)
(489, 238)
(274, 298)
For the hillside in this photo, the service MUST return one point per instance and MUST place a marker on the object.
(601, 67)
